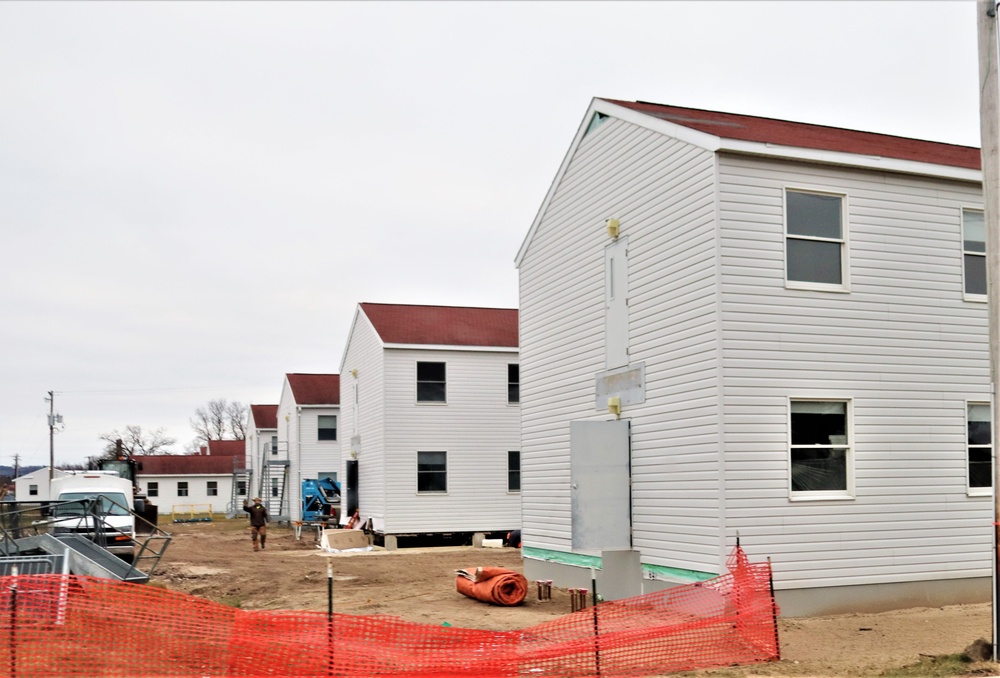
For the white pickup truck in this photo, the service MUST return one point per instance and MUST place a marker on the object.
(114, 520)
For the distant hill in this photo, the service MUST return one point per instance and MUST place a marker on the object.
(9, 470)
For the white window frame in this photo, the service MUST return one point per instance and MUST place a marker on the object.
(844, 240)
(969, 489)
(519, 474)
(823, 495)
(183, 489)
(211, 488)
(273, 445)
(336, 424)
(32, 490)
(417, 382)
(416, 470)
(968, 296)
(517, 402)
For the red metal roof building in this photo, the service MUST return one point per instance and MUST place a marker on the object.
(314, 389)
(443, 325)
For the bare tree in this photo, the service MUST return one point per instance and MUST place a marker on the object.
(209, 422)
(237, 414)
(137, 442)
(218, 419)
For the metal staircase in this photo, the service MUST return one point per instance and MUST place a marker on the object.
(28, 541)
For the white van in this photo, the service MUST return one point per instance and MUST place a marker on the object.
(116, 525)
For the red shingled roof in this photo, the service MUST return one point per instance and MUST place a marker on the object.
(315, 389)
(264, 416)
(802, 135)
(175, 465)
(226, 448)
(443, 325)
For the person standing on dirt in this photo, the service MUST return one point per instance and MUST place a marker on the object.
(258, 521)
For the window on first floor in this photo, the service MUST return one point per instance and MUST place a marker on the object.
(182, 488)
(513, 383)
(33, 490)
(326, 427)
(980, 450)
(513, 471)
(820, 451)
(432, 472)
(212, 488)
(974, 252)
(431, 383)
(815, 240)
(153, 489)
(274, 487)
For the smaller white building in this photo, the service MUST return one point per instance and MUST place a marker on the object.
(186, 483)
(261, 445)
(431, 419)
(34, 486)
(308, 445)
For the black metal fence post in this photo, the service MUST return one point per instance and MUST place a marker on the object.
(597, 634)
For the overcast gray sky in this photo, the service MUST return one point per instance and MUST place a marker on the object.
(195, 196)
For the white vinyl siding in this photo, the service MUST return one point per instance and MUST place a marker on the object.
(476, 424)
(903, 347)
(362, 416)
(167, 498)
(662, 191)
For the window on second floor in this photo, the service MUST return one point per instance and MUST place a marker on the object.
(241, 488)
(33, 490)
(182, 488)
(274, 445)
(974, 252)
(326, 427)
(431, 383)
(153, 489)
(815, 242)
(980, 446)
(513, 383)
(212, 488)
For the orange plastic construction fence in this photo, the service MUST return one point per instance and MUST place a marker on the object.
(57, 625)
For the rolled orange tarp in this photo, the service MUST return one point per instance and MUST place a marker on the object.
(496, 585)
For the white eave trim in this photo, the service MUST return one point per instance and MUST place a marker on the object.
(445, 347)
(715, 143)
(874, 162)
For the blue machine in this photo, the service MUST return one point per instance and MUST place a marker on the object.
(320, 500)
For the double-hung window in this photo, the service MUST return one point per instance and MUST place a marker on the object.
(212, 488)
(274, 445)
(513, 383)
(980, 441)
(815, 240)
(821, 452)
(182, 488)
(432, 471)
(431, 383)
(513, 471)
(974, 253)
(153, 488)
(326, 427)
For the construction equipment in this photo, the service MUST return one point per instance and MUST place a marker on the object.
(125, 466)
(320, 500)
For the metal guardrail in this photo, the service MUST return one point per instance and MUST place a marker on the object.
(23, 523)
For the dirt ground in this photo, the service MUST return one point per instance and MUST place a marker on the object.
(215, 560)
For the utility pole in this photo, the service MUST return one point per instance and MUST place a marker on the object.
(986, 31)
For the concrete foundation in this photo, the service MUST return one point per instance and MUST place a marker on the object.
(808, 602)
